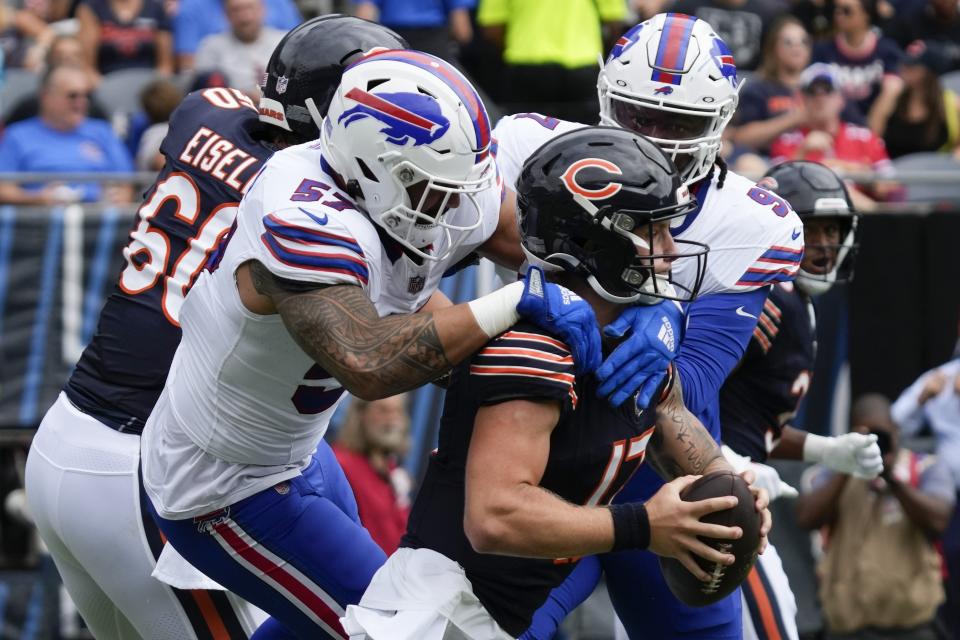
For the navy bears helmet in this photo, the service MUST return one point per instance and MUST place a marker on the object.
(305, 69)
(816, 193)
(580, 199)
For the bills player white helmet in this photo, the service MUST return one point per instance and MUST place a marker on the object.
(677, 64)
(410, 136)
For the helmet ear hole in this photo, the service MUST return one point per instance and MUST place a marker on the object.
(367, 173)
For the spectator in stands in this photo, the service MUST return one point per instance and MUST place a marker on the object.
(770, 102)
(62, 139)
(927, 115)
(934, 400)
(550, 52)
(126, 34)
(197, 19)
(816, 17)
(242, 52)
(880, 573)
(741, 23)
(866, 62)
(938, 21)
(159, 99)
(827, 138)
(646, 9)
(24, 36)
(64, 50)
(374, 437)
(434, 26)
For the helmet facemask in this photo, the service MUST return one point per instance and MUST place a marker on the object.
(844, 256)
(694, 154)
(411, 136)
(675, 64)
(618, 264)
(416, 216)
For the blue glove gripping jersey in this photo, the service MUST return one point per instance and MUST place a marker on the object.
(762, 395)
(212, 156)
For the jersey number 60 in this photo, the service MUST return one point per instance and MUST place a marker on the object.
(148, 254)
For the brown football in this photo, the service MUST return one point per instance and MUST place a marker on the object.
(725, 578)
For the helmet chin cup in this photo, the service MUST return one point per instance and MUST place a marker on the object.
(815, 285)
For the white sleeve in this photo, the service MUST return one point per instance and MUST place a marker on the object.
(907, 411)
(516, 137)
(314, 244)
(757, 240)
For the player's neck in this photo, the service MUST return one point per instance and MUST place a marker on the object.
(605, 310)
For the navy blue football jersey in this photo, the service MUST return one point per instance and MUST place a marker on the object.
(763, 393)
(594, 449)
(212, 155)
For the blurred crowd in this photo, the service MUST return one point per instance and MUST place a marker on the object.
(851, 83)
(89, 86)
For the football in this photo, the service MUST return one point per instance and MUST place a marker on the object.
(684, 585)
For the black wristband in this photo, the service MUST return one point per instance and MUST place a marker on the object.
(631, 526)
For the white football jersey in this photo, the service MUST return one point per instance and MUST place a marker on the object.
(244, 407)
(754, 236)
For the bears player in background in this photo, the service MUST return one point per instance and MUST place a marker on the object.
(81, 475)
(495, 527)
(673, 79)
(761, 397)
(338, 244)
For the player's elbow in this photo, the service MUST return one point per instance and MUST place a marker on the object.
(487, 528)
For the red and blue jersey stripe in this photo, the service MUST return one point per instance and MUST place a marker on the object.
(776, 264)
(314, 250)
(672, 51)
(455, 80)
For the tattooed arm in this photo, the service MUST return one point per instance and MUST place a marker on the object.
(680, 444)
(338, 326)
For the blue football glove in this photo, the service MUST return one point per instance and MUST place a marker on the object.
(639, 363)
(564, 313)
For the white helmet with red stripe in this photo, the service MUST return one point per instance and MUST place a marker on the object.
(674, 80)
(410, 136)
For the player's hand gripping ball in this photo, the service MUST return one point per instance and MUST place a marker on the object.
(724, 578)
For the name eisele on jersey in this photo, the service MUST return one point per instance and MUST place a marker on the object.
(212, 153)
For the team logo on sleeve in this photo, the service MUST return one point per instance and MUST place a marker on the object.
(600, 188)
(406, 116)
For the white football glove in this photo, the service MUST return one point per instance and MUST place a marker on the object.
(857, 454)
(767, 476)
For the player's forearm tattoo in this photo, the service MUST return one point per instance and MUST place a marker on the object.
(680, 445)
(339, 328)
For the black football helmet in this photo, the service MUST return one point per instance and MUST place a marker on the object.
(305, 69)
(580, 198)
(816, 192)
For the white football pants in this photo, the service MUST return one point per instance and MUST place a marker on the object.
(84, 494)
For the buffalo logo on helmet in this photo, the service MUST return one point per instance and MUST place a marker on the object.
(406, 116)
(664, 90)
(610, 189)
(723, 58)
(626, 41)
